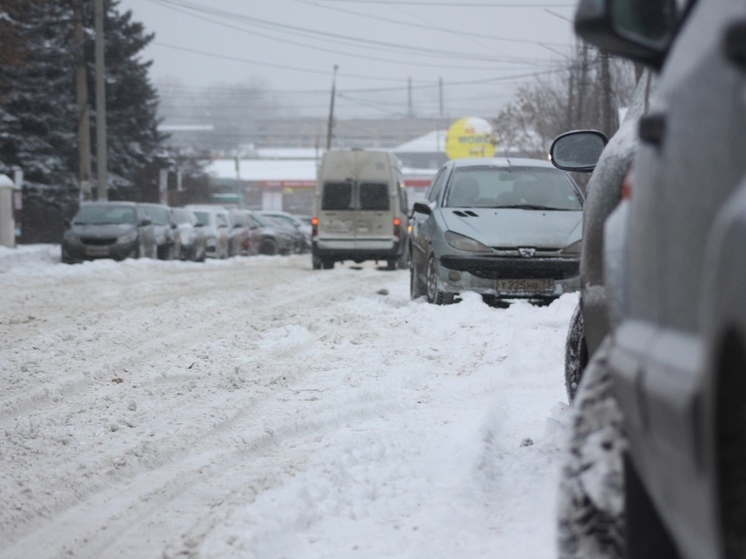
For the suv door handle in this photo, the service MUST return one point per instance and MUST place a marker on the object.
(734, 44)
(652, 128)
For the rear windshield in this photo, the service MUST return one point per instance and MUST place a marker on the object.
(374, 196)
(506, 187)
(337, 196)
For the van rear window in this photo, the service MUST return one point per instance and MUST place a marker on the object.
(374, 196)
(337, 196)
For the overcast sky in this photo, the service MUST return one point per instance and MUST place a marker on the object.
(479, 48)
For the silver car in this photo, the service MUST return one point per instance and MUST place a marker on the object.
(503, 228)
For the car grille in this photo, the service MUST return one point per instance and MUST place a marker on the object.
(98, 241)
(500, 267)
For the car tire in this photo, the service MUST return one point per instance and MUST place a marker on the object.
(268, 247)
(316, 263)
(327, 264)
(435, 295)
(576, 353)
(591, 511)
(391, 264)
(416, 287)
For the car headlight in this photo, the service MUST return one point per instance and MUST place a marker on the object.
(130, 237)
(467, 244)
(71, 237)
(573, 249)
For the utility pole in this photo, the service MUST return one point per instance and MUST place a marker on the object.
(81, 90)
(101, 148)
(607, 117)
(330, 126)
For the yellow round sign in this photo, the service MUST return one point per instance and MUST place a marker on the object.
(470, 137)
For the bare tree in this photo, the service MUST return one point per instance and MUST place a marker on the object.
(586, 92)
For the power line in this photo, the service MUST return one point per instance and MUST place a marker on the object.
(328, 36)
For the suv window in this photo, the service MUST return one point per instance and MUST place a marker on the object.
(337, 196)
(374, 196)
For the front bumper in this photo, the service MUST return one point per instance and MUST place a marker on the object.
(78, 252)
(482, 274)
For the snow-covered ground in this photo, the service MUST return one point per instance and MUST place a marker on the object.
(254, 408)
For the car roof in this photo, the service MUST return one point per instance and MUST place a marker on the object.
(501, 162)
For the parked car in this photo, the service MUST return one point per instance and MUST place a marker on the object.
(579, 151)
(166, 232)
(502, 228)
(191, 233)
(115, 230)
(656, 463)
(301, 231)
(215, 223)
(243, 237)
(271, 238)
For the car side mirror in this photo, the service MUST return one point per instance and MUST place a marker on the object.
(578, 150)
(422, 208)
(639, 30)
(145, 222)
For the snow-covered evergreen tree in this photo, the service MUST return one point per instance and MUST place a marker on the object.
(38, 111)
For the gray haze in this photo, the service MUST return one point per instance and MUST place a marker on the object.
(481, 49)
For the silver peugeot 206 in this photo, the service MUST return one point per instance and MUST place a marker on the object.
(503, 228)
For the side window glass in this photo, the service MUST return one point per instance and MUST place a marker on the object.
(337, 196)
(437, 187)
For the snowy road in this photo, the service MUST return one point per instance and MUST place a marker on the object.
(256, 408)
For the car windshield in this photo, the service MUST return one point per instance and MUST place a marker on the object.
(203, 217)
(158, 215)
(181, 216)
(100, 215)
(511, 187)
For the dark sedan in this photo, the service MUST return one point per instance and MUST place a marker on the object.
(115, 230)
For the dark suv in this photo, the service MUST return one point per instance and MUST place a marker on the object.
(656, 464)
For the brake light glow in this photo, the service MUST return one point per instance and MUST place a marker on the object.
(397, 227)
(314, 227)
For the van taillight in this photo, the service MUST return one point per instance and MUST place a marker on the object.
(314, 226)
(397, 227)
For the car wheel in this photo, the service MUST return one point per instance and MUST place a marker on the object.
(327, 264)
(416, 287)
(435, 295)
(591, 521)
(316, 262)
(391, 264)
(268, 247)
(576, 353)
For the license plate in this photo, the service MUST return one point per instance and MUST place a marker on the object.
(525, 285)
(97, 251)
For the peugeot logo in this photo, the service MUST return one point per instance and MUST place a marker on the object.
(527, 252)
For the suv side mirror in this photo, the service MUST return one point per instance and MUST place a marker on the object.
(639, 30)
(578, 150)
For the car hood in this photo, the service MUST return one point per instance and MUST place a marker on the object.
(105, 230)
(549, 229)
